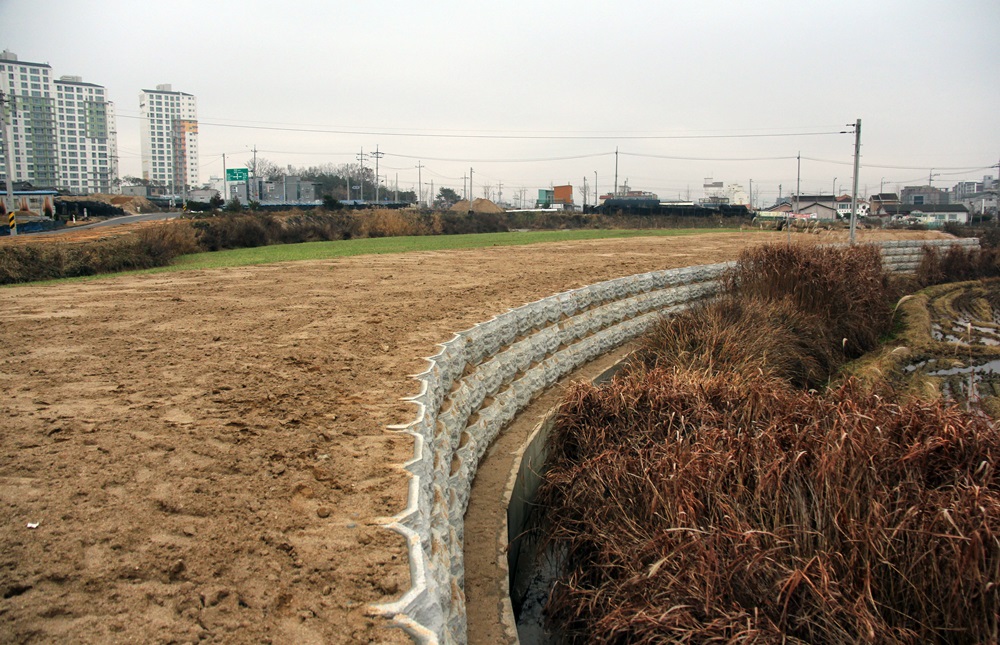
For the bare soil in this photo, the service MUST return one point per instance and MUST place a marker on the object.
(202, 456)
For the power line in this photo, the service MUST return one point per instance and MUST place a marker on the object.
(528, 160)
(388, 132)
(637, 154)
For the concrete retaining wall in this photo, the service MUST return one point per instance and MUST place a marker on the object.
(483, 377)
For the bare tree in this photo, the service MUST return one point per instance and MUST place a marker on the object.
(265, 169)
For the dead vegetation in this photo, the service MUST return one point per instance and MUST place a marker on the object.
(706, 495)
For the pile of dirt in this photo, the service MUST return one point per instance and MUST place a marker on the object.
(128, 203)
(478, 206)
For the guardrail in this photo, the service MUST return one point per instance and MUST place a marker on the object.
(484, 376)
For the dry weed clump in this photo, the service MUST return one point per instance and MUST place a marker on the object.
(957, 264)
(716, 508)
(787, 312)
(748, 336)
(147, 248)
(848, 287)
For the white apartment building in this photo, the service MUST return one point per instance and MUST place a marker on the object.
(88, 140)
(169, 142)
(31, 114)
(64, 132)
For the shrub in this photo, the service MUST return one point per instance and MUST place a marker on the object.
(957, 264)
(150, 247)
(695, 508)
(749, 337)
(846, 287)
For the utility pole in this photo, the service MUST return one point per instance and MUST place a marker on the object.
(585, 193)
(378, 155)
(361, 158)
(8, 149)
(256, 184)
(395, 194)
(857, 167)
(499, 192)
(430, 198)
(616, 172)
(798, 184)
(420, 182)
(596, 198)
(225, 181)
(470, 189)
(751, 194)
(465, 195)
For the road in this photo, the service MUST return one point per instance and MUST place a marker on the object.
(114, 221)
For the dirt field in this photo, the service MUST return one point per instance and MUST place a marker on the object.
(202, 455)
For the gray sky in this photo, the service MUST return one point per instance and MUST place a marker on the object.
(549, 89)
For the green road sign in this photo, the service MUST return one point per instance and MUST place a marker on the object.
(237, 174)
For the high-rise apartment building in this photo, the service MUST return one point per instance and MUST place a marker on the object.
(88, 140)
(32, 115)
(64, 132)
(169, 142)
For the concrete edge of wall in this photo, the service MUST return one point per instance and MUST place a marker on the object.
(483, 376)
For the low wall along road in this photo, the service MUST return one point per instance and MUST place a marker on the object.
(484, 376)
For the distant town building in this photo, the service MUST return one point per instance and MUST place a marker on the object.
(880, 201)
(920, 195)
(64, 131)
(718, 192)
(562, 195)
(930, 214)
(967, 189)
(169, 138)
(289, 189)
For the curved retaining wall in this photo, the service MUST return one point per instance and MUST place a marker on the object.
(483, 377)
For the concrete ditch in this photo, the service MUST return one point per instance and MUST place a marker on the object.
(483, 377)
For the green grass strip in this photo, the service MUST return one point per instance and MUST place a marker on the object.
(381, 245)
(369, 246)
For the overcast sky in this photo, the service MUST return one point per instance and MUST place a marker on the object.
(543, 92)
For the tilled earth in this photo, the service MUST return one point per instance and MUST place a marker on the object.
(202, 456)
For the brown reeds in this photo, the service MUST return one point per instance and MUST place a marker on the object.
(700, 497)
(957, 264)
(705, 508)
(848, 287)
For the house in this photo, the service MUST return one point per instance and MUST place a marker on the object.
(930, 214)
(877, 202)
(844, 207)
(817, 210)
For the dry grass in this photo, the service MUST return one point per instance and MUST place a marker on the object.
(703, 497)
(794, 313)
(957, 264)
(846, 286)
(718, 508)
(146, 248)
